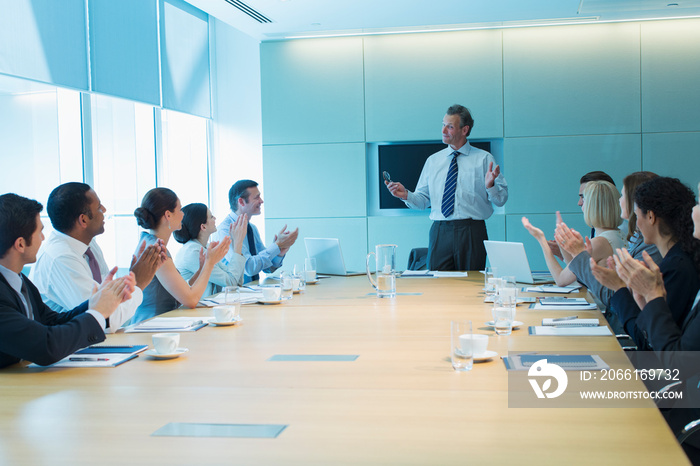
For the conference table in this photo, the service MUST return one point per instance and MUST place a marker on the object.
(398, 402)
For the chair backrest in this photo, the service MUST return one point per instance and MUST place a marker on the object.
(418, 259)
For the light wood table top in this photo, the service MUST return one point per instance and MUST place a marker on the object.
(400, 402)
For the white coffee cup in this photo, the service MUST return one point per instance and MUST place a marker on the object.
(478, 342)
(223, 313)
(166, 343)
(271, 293)
(310, 276)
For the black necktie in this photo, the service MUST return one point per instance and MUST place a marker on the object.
(251, 248)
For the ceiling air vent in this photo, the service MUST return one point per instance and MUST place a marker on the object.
(256, 15)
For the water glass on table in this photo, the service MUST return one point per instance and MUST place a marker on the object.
(504, 309)
(489, 273)
(298, 278)
(310, 269)
(287, 284)
(461, 350)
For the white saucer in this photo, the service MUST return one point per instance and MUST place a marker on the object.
(272, 301)
(296, 291)
(313, 282)
(152, 353)
(485, 356)
(225, 324)
(516, 324)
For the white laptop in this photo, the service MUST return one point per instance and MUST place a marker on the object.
(329, 257)
(510, 260)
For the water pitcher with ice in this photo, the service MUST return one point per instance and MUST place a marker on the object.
(385, 257)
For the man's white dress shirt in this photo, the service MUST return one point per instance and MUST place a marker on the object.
(472, 198)
(62, 275)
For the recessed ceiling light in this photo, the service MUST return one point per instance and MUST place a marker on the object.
(315, 24)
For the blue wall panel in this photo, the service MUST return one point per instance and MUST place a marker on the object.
(543, 173)
(670, 76)
(312, 91)
(571, 80)
(673, 154)
(412, 79)
(318, 180)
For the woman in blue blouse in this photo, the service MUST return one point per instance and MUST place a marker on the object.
(197, 226)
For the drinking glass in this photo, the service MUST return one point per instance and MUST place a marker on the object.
(232, 298)
(287, 283)
(299, 278)
(310, 269)
(462, 355)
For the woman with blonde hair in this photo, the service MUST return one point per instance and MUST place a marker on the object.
(572, 242)
(601, 210)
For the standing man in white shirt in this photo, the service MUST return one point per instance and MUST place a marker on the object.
(244, 198)
(71, 264)
(460, 184)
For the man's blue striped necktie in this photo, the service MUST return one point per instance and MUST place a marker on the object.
(448, 197)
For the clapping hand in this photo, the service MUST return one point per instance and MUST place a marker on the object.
(238, 231)
(643, 278)
(285, 239)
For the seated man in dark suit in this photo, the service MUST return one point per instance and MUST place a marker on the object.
(29, 329)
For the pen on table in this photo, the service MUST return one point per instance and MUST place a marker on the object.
(565, 318)
(88, 359)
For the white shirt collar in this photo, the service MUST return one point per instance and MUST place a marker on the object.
(76, 245)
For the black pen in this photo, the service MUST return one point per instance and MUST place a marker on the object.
(88, 359)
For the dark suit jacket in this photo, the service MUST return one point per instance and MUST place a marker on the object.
(678, 347)
(48, 338)
(681, 282)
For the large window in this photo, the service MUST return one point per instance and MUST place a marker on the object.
(40, 139)
(50, 135)
(123, 169)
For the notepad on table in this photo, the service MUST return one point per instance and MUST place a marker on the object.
(96, 360)
(112, 349)
(568, 362)
(548, 321)
(169, 324)
(552, 289)
(563, 307)
(570, 331)
(417, 273)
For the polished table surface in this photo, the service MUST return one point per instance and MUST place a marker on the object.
(399, 402)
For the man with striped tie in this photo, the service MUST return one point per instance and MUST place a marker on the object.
(460, 184)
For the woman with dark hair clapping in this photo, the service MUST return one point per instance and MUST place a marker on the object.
(663, 208)
(197, 226)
